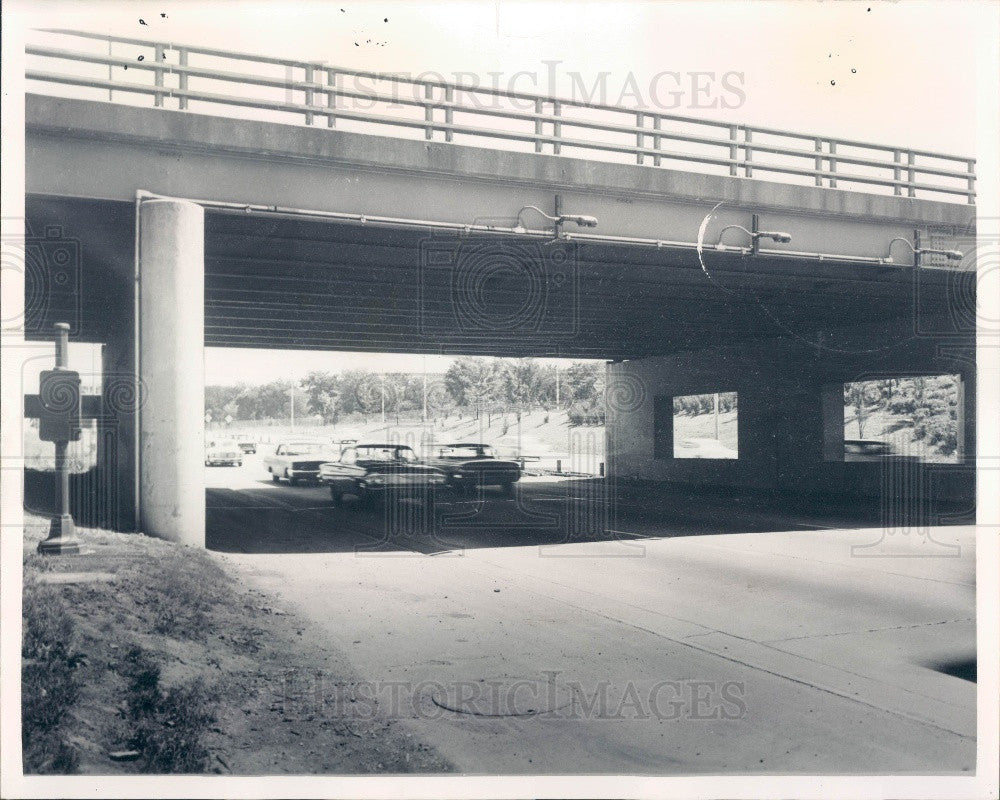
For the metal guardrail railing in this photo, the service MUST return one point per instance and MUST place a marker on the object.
(315, 91)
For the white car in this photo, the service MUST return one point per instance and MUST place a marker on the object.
(297, 460)
(223, 451)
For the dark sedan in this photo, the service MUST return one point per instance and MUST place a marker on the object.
(469, 465)
(374, 472)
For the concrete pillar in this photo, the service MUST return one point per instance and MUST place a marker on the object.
(171, 370)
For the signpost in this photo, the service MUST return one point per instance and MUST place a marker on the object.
(60, 422)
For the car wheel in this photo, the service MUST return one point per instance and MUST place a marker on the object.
(274, 476)
(239, 463)
(337, 496)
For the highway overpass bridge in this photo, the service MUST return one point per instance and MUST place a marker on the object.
(724, 258)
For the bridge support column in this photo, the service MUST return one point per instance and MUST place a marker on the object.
(171, 369)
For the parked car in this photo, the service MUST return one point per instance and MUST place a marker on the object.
(378, 472)
(247, 445)
(874, 450)
(297, 460)
(469, 465)
(223, 451)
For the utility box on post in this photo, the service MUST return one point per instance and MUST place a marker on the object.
(60, 422)
(59, 419)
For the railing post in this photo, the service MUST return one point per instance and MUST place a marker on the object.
(449, 112)
(158, 73)
(833, 164)
(428, 110)
(818, 147)
(911, 174)
(538, 125)
(557, 127)
(309, 96)
(971, 163)
(657, 122)
(331, 96)
(182, 77)
(748, 153)
(897, 172)
(734, 149)
(639, 137)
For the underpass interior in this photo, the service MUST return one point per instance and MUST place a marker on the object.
(667, 322)
(293, 282)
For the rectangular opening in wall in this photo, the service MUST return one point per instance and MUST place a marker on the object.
(917, 418)
(705, 425)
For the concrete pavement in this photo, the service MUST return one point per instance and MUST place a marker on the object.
(762, 652)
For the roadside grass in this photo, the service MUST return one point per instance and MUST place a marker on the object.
(162, 662)
(50, 683)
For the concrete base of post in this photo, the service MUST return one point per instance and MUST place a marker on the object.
(62, 539)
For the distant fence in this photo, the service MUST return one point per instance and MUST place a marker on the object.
(316, 92)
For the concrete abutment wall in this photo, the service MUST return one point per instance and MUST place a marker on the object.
(789, 396)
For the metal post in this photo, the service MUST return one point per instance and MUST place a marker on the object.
(747, 153)
(110, 76)
(818, 147)
(972, 181)
(331, 97)
(538, 126)
(309, 95)
(896, 172)
(428, 110)
(657, 122)
(557, 127)
(639, 137)
(911, 174)
(734, 150)
(833, 164)
(916, 248)
(754, 239)
(158, 73)
(449, 113)
(182, 77)
(62, 532)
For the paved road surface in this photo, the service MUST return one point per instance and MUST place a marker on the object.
(548, 647)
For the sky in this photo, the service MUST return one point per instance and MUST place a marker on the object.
(888, 72)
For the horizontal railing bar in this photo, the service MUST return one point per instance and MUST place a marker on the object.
(241, 78)
(393, 77)
(295, 108)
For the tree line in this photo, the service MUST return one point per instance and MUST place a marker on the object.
(928, 405)
(471, 385)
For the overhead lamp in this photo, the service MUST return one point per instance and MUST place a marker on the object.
(756, 235)
(582, 220)
(950, 255)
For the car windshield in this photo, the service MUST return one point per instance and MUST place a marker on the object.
(303, 448)
(467, 451)
(386, 454)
